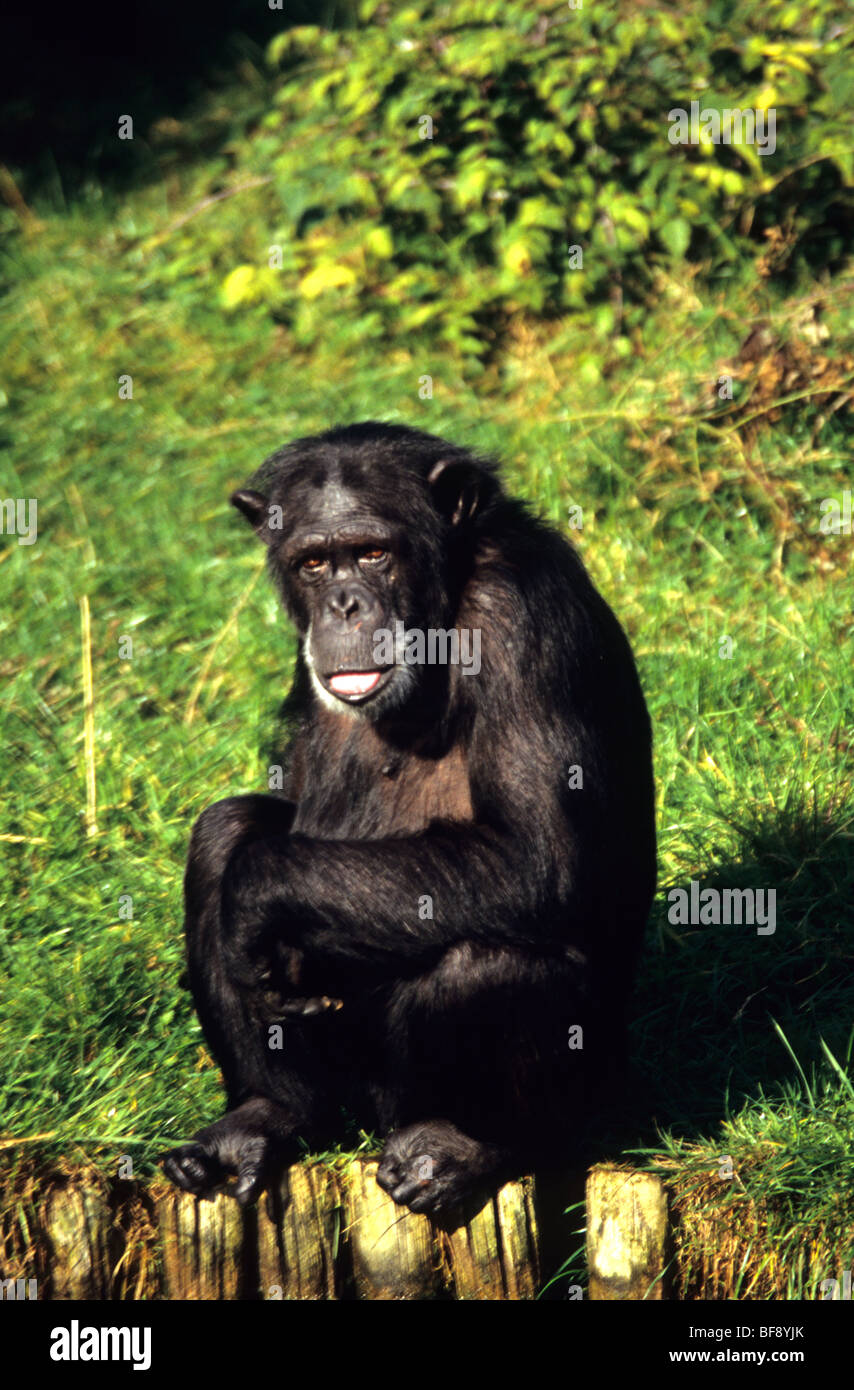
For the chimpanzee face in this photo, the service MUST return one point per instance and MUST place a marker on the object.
(347, 570)
(365, 538)
(343, 566)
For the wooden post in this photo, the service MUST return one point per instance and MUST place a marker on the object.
(299, 1224)
(626, 1234)
(393, 1251)
(76, 1223)
(495, 1256)
(202, 1246)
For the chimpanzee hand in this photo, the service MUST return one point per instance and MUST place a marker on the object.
(274, 985)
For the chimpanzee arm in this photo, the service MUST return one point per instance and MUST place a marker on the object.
(359, 901)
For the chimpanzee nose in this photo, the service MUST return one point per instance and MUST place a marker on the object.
(343, 603)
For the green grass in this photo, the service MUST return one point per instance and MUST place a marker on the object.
(700, 520)
(767, 1210)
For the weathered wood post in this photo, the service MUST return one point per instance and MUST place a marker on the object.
(496, 1254)
(202, 1244)
(76, 1222)
(299, 1226)
(626, 1234)
(393, 1251)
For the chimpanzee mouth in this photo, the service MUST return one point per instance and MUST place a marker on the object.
(355, 686)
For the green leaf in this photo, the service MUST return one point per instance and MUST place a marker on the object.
(676, 236)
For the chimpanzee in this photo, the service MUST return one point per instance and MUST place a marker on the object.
(435, 928)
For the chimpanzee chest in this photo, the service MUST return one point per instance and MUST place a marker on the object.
(394, 794)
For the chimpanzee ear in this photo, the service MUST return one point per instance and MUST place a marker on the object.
(459, 489)
(256, 508)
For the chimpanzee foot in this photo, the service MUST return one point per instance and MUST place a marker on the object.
(249, 1142)
(435, 1169)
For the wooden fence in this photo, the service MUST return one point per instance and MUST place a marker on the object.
(326, 1234)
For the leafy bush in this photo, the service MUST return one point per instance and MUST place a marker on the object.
(429, 172)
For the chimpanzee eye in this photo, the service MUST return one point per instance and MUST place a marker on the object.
(373, 554)
(312, 564)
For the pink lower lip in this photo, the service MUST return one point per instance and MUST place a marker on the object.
(354, 682)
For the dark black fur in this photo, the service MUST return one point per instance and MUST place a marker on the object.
(450, 1031)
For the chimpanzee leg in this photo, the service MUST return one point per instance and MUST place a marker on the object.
(484, 1080)
(274, 1092)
